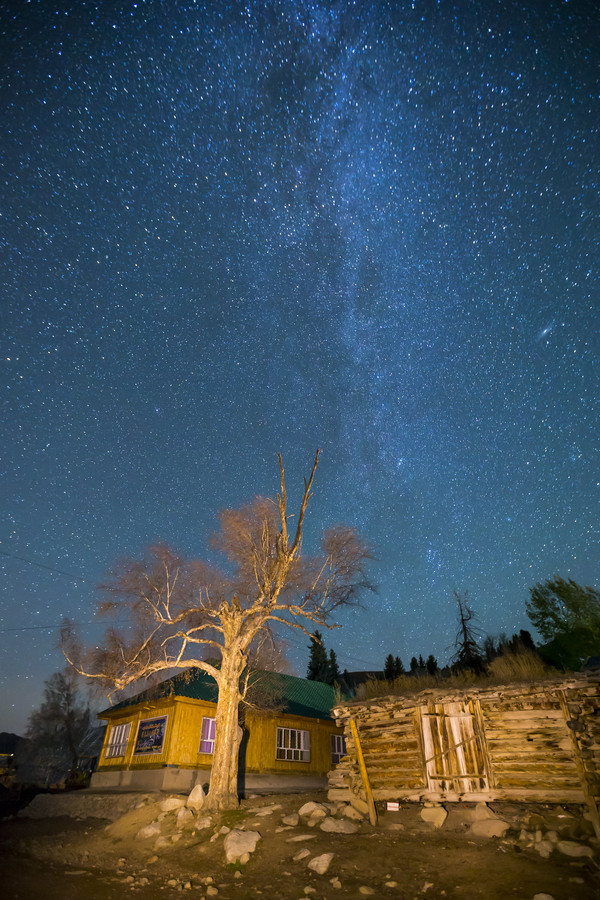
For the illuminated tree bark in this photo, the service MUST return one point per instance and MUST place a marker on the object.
(176, 608)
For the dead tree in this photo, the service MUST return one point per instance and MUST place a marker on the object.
(181, 614)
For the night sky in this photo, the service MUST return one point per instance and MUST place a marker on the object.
(231, 229)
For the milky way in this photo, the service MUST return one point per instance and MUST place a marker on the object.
(233, 229)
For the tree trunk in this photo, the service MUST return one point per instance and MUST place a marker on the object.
(223, 790)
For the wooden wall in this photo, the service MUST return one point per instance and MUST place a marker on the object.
(528, 742)
(182, 739)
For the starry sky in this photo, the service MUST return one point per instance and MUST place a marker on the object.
(229, 229)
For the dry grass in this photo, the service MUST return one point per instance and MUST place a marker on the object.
(510, 668)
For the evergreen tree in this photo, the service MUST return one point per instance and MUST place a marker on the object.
(398, 667)
(414, 664)
(333, 671)
(389, 670)
(318, 664)
(421, 662)
(431, 664)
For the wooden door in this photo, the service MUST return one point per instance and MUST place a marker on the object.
(453, 748)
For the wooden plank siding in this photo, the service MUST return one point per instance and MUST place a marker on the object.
(181, 746)
(518, 742)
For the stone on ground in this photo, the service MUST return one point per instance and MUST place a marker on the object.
(292, 819)
(301, 854)
(184, 817)
(320, 864)
(572, 848)
(435, 815)
(195, 801)
(338, 826)
(349, 812)
(149, 831)
(239, 843)
(312, 810)
(171, 803)
(488, 828)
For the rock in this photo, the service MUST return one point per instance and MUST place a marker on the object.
(171, 803)
(239, 843)
(312, 810)
(310, 890)
(365, 891)
(571, 848)
(482, 811)
(320, 864)
(435, 815)
(391, 884)
(301, 854)
(184, 817)
(202, 823)
(300, 837)
(292, 819)
(349, 812)
(543, 897)
(544, 848)
(195, 801)
(211, 891)
(359, 805)
(488, 828)
(163, 842)
(335, 882)
(267, 810)
(148, 831)
(151, 859)
(338, 826)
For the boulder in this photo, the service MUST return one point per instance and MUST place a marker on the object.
(338, 826)
(184, 817)
(488, 828)
(239, 844)
(320, 864)
(572, 848)
(435, 815)
(202, 822)
(149, 831)
(349, 812)
(312, 810)
(171, 803)
(195, 801)
(292, 819)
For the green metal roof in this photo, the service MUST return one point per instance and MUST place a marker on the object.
(287, 693)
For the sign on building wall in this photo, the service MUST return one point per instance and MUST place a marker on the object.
(151, 735)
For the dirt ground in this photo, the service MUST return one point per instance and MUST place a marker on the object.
(402, 857)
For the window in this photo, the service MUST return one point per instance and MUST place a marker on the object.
(118, 740)
(151, 735)
(293, 744)
(207, 735)
(338, 748)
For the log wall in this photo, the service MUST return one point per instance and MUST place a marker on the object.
(520, 742)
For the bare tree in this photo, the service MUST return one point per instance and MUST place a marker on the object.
(468, 653)
(184, 614)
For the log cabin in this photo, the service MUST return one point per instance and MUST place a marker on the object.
(164, 737)
(520, 742)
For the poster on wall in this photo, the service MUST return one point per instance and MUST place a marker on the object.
(151, 735)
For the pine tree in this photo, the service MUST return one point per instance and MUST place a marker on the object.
(318, 664)
(333, 671)
(398, 667)
(431, 664)
(414, 664)
(389, 670)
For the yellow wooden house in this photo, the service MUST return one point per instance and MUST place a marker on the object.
(163, 738)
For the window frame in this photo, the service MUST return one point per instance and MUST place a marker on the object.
(338, 748)
(118, 740)
(292, 744)
(208, 736)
